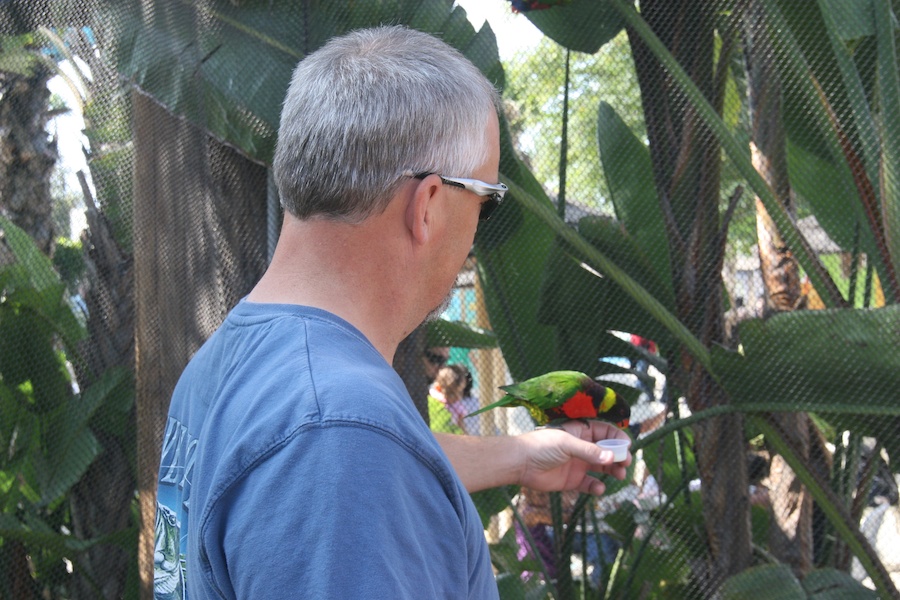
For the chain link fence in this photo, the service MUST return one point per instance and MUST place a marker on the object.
(704, 215)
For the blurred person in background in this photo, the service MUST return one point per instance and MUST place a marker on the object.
(433, 359)
(445, 409)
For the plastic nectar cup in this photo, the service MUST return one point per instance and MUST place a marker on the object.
(618, 447)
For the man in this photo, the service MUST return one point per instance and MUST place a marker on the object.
(294, 462)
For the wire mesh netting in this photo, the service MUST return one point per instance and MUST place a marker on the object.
(704, 215)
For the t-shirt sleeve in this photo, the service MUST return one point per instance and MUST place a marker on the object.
(339, 512)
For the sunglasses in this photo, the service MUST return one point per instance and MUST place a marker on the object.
(494, 192)
(438, 360)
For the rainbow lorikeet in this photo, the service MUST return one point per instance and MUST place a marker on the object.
(564, 395)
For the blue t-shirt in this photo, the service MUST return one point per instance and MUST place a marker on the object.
(294, 464)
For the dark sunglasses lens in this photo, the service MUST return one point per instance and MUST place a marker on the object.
(436, 359)
(487, 208)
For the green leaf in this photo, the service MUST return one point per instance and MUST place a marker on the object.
(71, 447)
(629, 173)
(601, 263)
(834, 122)
(581, 25)
(841, 364)
(584, 307)
(853, 18)
(510, 586)
(832, 584)
(503, 556)
(773, 582)
(833, 508)
(622, 521)
(672, 471)
(38, 534)
(28, 357)
(815, 359)
(113, 396)
(37, 267)
(33, 283)
(458, 334)
(226, 65)
(658, 571)
(889, 100)
(510, 250)
(828, 189)
(65, 460)
(492, 501)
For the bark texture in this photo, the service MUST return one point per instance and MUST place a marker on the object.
(28, 154)
(791, 533)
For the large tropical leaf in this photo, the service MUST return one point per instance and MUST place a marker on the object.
(566, 24)
(34, 315)
(586, 307)
(889, 100)
(544, 224)
(67, 458)
(226, 65)
(828, 189)
(511, 250)
(842, 364)
(31, 280)
(776, 581)
(673, 463)
(629, 174)
(832, 584)
(507, 249)
(34, 531)
(820, 358)
(841, 111)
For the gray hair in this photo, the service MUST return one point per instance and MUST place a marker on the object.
(367, 107)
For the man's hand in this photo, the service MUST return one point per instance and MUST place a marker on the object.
(548, 459)
(557, 459)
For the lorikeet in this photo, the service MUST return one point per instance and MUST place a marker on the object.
(564, 395)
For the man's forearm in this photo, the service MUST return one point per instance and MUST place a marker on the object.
(483, 462)
(558, 458)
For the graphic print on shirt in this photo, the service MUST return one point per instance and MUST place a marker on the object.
(168, 563)
(172, 511)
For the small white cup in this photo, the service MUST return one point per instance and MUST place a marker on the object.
(618, 447)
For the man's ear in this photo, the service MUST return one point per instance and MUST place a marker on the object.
(420, 212)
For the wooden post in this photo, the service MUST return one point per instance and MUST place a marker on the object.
(199, 245)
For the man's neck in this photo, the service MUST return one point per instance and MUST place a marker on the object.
(348, 270)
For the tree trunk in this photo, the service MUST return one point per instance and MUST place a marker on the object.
(686, 161)
(100, 502)
(27, 154)
(791, 534)
(200, 244)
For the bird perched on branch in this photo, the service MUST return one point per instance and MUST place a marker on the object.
(562, 395)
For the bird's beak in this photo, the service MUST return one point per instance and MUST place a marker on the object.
(622, 424)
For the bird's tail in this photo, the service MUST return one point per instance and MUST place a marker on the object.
(505, 401)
